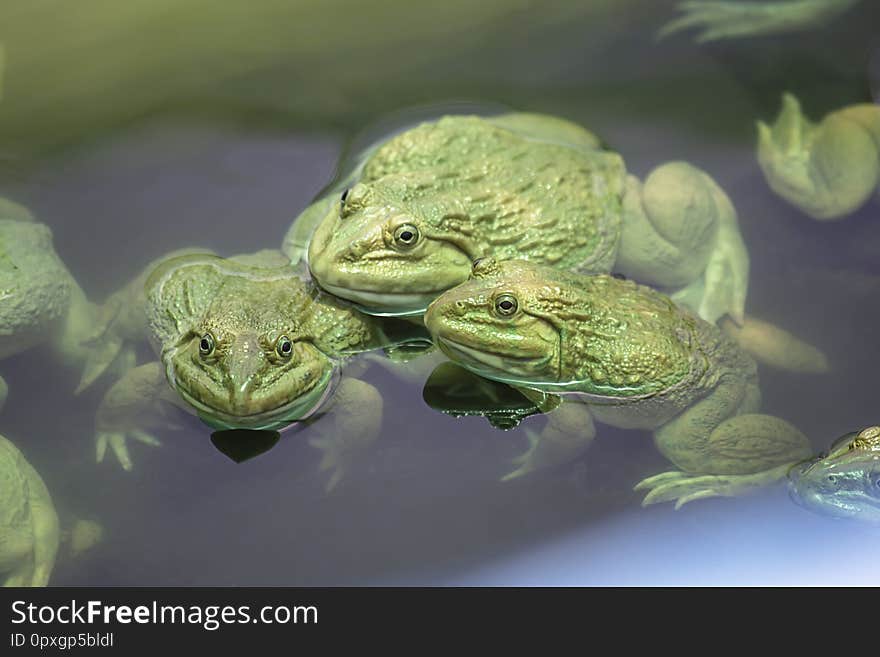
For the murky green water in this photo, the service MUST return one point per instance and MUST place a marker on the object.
(228, 162)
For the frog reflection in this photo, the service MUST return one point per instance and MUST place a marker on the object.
(245, 343)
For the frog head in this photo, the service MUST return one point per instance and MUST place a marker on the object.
(230, 345)
(845, 482)
(535, 326)
(389, 250)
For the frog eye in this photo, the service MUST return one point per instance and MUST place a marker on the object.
(406, 235)
(284, 347)
(206, 344)
(506, 305)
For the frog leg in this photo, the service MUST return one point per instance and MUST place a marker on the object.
(132, 406)
(34, 544)
(828, 169)
(680, 229)
(776, 347)
(765, 342)
(44, 524)
(4, 392)
(720, 453)
(348, 428)
(567, 434)
(719, 19)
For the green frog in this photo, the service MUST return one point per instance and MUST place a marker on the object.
(827, 169)
(29, 529)
(726, 19)
(845, 482)
(245, 343)
(623, 354)
(426, 202)
(40, 302)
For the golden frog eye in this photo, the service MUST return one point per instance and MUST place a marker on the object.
(284, 347)
(206, 345)
(406, 235)
(506, 305)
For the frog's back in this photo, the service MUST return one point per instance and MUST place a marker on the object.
(667, 356)
(35, 286)
(497, 173)
(15, 535)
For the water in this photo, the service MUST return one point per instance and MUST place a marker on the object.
(425, 505)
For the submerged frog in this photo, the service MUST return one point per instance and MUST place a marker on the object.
(725, 19)
(40, 302)
(29, 530)
(827, 169)
(845, 482)
(427, 202)
(244, 343)
(627, 356)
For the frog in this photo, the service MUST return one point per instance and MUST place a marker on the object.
(598, 347)
(41, 303)
(728, 19)
(843, 483)
(247, 342)
(426, 202)
(827, 169)
(29, 529)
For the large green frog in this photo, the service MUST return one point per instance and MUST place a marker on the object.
(247, 342)
(726, 19)
(29, 530)
(845, 482)
(428, 201)
(827, 169)
(627, 356)
(40, 302)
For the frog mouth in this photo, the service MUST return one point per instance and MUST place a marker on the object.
(385, 304)
(492, 366)
(275, 418)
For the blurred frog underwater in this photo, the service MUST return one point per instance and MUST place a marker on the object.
(504, 263)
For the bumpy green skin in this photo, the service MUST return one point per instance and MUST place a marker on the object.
(430, 200)
(40, 302)
(827, 169)
(634, 359)
(247, 311)
(29, 533)
(247, 308)
(720, 19)
(845, 483)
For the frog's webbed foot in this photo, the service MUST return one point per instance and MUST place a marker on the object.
(683, 487)
(116, 440)
(131, 409)
(568, 433)
(742, 453)
(348, 429)
(719, 19)
(827, 170)
(105, 345)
